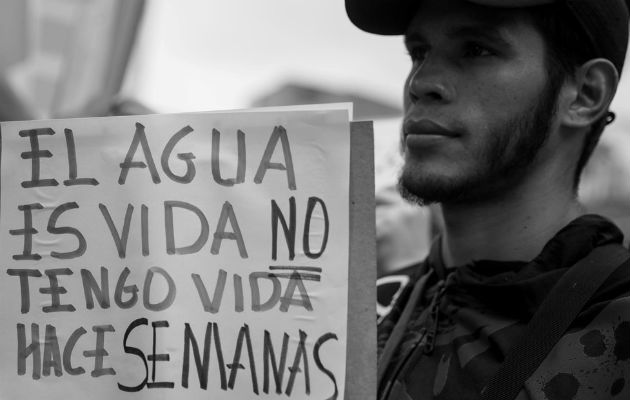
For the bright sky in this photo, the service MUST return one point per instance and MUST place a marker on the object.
(220, 54)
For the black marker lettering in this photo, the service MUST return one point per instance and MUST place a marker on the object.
(146, 290)
(137, 352)
(238, 293)
(255, 289)
(144, 222)
(186, 157)
(34, 155)
(295, 282)
(52, 354)
(67, 352)
(27, 232)
(121, 288)
(99, 352)
(33, 349)
(55, 291)
(277, 368)
(243, 334)
(312, 202)
(215, 159)
(154, 358)
(170, 230)
(24, 274)
(202, 366)
(323, 339)
(289, 230)
(219, 350)
(300, 355)
(53, 229)
(90, 287)
(120, 240)
(72, 164)
(279, 133)
(227, 213)
(139, 138)
(215, 305)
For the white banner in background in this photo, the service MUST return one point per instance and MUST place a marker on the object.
(175, 256)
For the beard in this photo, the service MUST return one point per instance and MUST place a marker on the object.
(503, 161)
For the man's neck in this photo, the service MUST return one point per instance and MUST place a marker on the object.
(514, 228)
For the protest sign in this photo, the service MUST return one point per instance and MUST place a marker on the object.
(175, 256)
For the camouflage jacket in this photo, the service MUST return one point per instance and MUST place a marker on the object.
(467, 318)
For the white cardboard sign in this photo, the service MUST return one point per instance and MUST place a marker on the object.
(175, 256)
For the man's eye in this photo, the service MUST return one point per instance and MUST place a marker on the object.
(477, 50)
(417, 53)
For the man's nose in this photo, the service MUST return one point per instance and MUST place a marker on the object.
(428, 83)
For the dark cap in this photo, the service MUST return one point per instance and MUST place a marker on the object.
(605, 22)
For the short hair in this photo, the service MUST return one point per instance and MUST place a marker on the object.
(567, 48)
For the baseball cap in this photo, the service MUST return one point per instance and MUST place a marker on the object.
(605, 22)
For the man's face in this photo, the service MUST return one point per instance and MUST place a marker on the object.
(478, 106)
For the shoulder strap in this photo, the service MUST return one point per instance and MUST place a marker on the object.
(553, 318)
(399, 329)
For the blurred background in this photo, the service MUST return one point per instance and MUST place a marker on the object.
(83, 58)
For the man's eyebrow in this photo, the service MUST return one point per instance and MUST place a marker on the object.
(485, 31)
(491, 33)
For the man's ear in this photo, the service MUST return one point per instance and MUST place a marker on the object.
(594, 87)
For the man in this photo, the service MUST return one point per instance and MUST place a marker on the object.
(504, 103)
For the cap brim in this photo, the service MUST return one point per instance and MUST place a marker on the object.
(391, 17)
(512, 3)
(384, 17)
